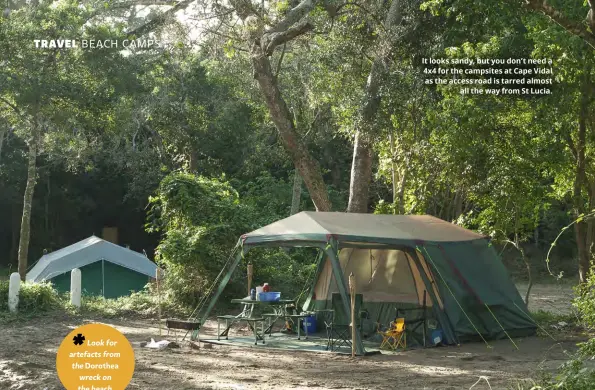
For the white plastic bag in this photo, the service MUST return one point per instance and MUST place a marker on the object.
(157, 345)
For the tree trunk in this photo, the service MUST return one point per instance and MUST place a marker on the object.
(14, 240)
(28, 201)
(361, 168)
(580, 227)
(307, 166)
(193, 161)
(458, 207)
(402, 185)
(47, 206)
(296, 194)
(2, 135)
(361, 174)
(393, 169)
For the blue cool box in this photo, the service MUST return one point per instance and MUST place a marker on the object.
(310, 324)
(269, 296)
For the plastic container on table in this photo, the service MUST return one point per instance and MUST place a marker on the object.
(309, 324)
(258, 292)
(269, 296)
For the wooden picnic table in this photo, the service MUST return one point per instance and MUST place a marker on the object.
(279, 309)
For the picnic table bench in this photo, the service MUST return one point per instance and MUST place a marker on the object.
(279, 311)
(252, 323)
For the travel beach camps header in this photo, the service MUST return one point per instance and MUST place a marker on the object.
(96, 43)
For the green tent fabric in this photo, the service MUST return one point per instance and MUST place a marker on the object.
(397, 260)
(107, 269)
(103, 278)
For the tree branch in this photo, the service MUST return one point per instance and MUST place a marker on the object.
(571, 145)
(573, 27)
(132, 3)
(275, 39)
(160, 19)
(293, 16)
(280, 61)
(13, 107)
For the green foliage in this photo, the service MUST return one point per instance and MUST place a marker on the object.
(585, 301)
(143, 304)
(200, 220)
(33, 297)
(42, 299)
(546, 318)
(579, 372)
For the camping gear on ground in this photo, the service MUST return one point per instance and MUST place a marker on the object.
(175, 325)
(158, 345)
(436, 337)
(395, 336)
(266, 287)
(295, 322)
(394, 258)
(107, 269)
(270, 296)
(338, 322)
(413, 324)
(309, 322)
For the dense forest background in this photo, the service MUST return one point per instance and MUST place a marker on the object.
(250, 111)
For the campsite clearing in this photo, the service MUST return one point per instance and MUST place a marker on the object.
(27, 361)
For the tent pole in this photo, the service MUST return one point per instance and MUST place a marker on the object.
(319, 265)
(331, 250)
(202, 319)
(103, 278)
(444, 321)
(455, 298)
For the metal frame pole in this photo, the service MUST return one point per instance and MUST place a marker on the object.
(319, 265)
(222, 285)
(331, 251)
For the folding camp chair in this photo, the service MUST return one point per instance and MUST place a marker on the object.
(414, 324)
(338, 322)
(395, 336)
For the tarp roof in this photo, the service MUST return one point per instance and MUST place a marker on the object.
(380, 228)
(85, 252)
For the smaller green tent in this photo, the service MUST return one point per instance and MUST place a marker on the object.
(107, 269)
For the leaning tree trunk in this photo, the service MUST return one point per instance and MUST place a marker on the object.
(361, 174)
(2, 133)
(361, 167)
(393, 169)
(296, 194)
(28, 201)
(402, 185)
(580, 228)
(307, 166)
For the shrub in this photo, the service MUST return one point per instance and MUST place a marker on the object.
(200, 220)
(33, 297)
(585, 301)
(579, 372)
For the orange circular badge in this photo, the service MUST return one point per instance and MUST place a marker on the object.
(95, 357)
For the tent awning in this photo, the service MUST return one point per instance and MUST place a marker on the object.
(380, 228)
(85, 252)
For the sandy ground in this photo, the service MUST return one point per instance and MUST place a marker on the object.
(28, 352)
(555, 298)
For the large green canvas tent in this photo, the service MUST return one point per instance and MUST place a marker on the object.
(396, 261)
(107, 269)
